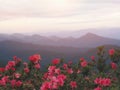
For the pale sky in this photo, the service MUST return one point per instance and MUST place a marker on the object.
(25, 16)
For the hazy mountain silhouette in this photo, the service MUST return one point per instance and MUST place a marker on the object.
(88, 40)
(104, 32)
(51, 47)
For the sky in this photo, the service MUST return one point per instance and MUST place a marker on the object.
(27, 16)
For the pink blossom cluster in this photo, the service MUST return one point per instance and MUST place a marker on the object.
(84, 75)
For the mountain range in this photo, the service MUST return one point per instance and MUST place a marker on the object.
(52, 47)
(88, 40)
(104, 32)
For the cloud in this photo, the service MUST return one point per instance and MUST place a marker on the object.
(31, 15)
(49, 8)
(37, 7)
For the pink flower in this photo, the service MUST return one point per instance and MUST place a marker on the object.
(37, 66)
(56, 61)
(97, 80)
(35, 58)
(57, 71)
(107, 82)
(73, 84)
(98, 88)
(10, 66)
(84, 63)
(111, 52)
(82, 59)
(93, 58)
(13, 83)
(26, 70)
(2, 83)
(113, 65)
(17, 75)
(45, 76)
(11, 63)
(4, 80)
(2, 69)
(54, 79)
(13, 69)
(7, 67)
(17, 60)
(55, 86)
(70, 71)
(18, 84)
(103, 81)
(46, 86)
(62, 76)
(65, 66)
(53, 82)
(51, 69)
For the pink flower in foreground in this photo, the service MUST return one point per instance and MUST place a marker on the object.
(2, 69)
(51, 69)
(57, 71)
(70, 71)
(18, 84)
(16, 59)
(65, 66)
(17, 75)
(92, 57)
(98, 88)
(62, 76)
(35, 58)
(97, 80)
(11, 63)
(107, 82)
(103, 81)
(82, 59)
(26, 70)
(37, 66)
(46, 86)
(13, 83)
(113, 65)
(2, 83)
(84, 63)
(10, 66)
(55, 86)
(73, 84)
(111, 52)
(4, 80)
(56, 61)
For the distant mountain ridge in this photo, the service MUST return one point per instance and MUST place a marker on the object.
(88, 40)
(69, 48)
(113, 32)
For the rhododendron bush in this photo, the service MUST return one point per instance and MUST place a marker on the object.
(101, 72)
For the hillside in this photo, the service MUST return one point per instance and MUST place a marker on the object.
(10, 48)
(88, 40)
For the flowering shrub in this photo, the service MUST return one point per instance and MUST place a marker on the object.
(100, 72)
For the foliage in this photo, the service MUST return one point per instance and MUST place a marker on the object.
(98, 73)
